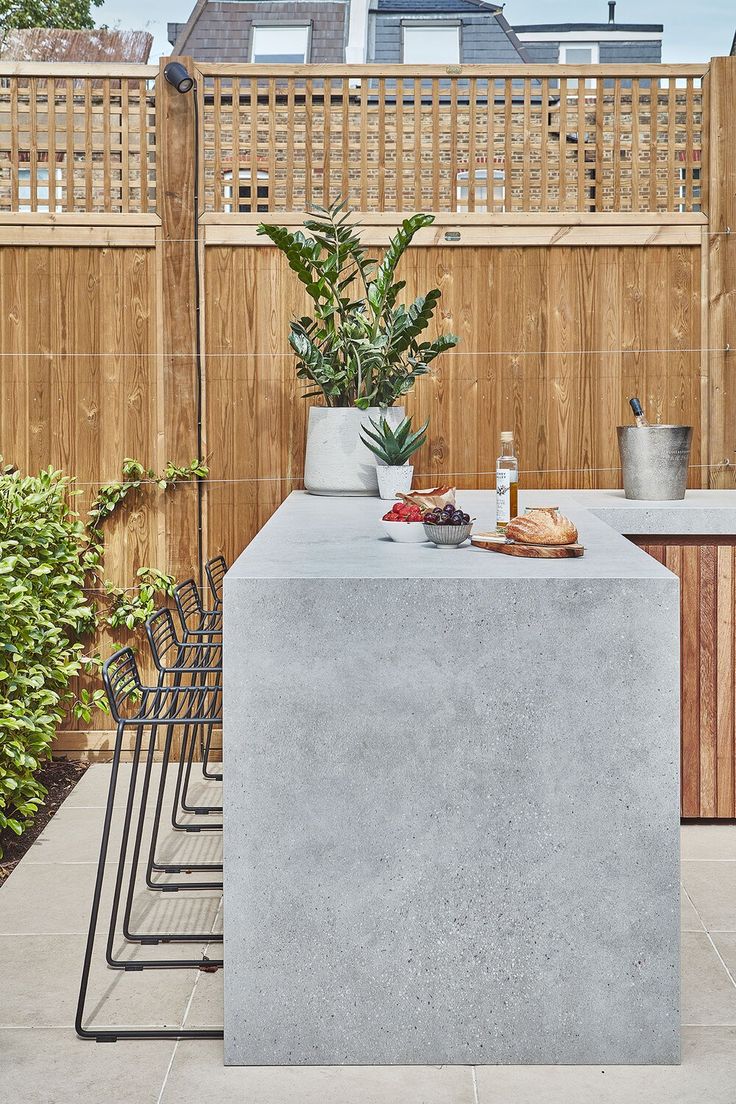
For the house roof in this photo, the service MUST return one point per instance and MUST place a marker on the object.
(59, 44)
(563, 28)
(434, 7)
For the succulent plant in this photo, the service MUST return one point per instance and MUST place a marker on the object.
(393, 446)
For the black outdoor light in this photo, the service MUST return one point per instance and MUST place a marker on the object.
(177, 76)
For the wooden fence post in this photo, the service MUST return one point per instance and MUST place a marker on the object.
(719, 335)
(177, 315)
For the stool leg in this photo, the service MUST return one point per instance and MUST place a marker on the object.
(186, 753)
(97, 895)
(152, 938)
(168, 867)
(206, 757)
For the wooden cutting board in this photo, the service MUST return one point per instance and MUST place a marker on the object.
(527, 551)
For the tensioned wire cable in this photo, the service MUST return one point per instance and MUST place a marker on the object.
(726, 463)
(447, 354)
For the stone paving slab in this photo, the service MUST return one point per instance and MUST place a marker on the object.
(44, 908)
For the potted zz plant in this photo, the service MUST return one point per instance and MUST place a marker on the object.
(360, 350)
(393, 448)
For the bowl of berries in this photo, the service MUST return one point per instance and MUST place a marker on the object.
(447, 526)
(403, 523)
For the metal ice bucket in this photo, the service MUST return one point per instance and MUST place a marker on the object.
(655, 460)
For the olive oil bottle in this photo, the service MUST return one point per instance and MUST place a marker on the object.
(507, 482)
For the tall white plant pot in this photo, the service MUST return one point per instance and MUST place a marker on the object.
(337, 462)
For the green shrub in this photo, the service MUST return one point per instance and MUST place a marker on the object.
(53, 597)
(45, 615)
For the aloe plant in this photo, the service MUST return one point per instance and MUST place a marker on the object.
(393, 446)
(362, 347)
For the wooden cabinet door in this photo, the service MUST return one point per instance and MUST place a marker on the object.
(706, 567)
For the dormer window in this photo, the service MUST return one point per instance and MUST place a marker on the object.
(579, 53)
(431, 43)
(280, 44)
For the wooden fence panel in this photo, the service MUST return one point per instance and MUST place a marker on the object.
(542, 338)
(706, 567)
(79, 385)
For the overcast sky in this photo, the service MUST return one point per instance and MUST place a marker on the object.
(693, 31)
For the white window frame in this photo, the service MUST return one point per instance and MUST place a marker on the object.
(595, 57)
(481, 190)
(681, 189)
(43, 189)
(231, 202)
(594, 47)
(435, 26)
(304, 28)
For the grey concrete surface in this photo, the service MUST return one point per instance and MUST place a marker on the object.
(452, 800)
(700, 513)
(340, 538)
(46, 1064)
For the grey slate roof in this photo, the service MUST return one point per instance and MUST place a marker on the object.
(563, 28)
(435, 7)
(220, 30)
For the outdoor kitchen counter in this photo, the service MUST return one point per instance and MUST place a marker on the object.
(451, 802)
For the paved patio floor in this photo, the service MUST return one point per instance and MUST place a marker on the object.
(44, 909)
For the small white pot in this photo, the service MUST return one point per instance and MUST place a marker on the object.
(336, 461)
(394, 480)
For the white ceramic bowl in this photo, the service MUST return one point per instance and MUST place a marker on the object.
(405, 532)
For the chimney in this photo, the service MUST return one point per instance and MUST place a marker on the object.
(356, 48)
(611, 11)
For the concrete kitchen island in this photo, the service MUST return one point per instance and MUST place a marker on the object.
(451, 798)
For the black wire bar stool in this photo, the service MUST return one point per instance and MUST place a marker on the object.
(167, 706)
(199, 623)
(176, 660)
(145, 709)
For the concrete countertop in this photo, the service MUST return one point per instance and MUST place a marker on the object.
(310, 537)
(701, 513)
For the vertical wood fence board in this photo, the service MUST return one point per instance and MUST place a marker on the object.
(177, 317)
(720, 170)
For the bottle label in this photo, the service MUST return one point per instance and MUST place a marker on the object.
(504, 479)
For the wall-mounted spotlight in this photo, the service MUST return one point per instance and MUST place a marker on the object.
(177, 76)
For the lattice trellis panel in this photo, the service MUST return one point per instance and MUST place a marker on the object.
(81, 144)
(480, 143)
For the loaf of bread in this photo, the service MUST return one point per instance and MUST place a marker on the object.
(542, 527)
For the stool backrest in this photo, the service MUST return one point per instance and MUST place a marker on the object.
(188, 603)
(122, 683)
(216, 569)
(162, 636)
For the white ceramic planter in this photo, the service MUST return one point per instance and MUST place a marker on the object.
(336, 461)
(394, 479)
